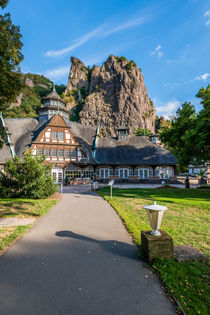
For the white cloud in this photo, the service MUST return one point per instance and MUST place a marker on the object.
(179, 60)
(157, 51)
(57, 72)
(182, 58)
(172, 84)
(168, 109)
(207, 14)
(123, 26)
(203, 77)
(100, 32)
(60, 72)
(78, 42)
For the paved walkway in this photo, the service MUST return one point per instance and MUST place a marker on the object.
(78, 260)
(16, 221)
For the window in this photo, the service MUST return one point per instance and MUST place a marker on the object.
(40, 152)
(88, 173)
(79, 154)
(54, 135)
(123, 173)
(61, 153)
(47, 152)
(143, 172)
(54, 152)
(164, 172)
(74, 155)
(67, 154)
(73, 174)
(61, 135)
(60, 177)
(105, 172)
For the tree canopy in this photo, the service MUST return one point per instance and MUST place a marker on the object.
(143, 132)
(26, 178)
(3, 3)
(10, 58)
(188, 137)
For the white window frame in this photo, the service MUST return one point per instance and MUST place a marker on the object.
(54, 135)
(164, 172)
(104, 173)
(60, 135)
(141, 171)
(40, 150)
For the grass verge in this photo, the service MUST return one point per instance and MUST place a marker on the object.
(187, 222)
(20, 208)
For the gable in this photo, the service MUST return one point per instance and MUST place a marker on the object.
(56, 131)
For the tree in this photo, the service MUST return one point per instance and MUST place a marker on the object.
(26, 178)
(143, 132)
(3, 3)
(161, 122)
(10, 58)
(60, 88)
(188, 137)
(175, 137)
(201, 133)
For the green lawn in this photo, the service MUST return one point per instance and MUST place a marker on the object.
(20, 208)
(187, 222)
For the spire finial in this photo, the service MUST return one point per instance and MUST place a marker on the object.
(122, 120)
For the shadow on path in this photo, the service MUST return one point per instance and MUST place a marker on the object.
(111, 246)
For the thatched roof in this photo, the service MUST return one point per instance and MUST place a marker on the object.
(133, 151)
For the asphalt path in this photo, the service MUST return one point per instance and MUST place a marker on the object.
(78, 260)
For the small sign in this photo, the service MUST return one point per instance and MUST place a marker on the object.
(111, 182)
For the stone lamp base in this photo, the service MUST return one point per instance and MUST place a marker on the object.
(156, 246)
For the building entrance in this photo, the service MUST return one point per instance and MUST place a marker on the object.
(57, 175)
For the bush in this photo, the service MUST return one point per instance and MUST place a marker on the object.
(130, 65)
(26, 178)
(122, 58)
(143, 132)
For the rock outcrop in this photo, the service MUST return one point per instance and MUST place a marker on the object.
(78, 76)
(115, 93)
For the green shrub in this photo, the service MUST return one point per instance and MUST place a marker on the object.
(143, 132)
(26, 178)
(122, 58)
(151, 102)
(130, 65)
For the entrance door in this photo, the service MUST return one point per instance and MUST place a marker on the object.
(57, 175)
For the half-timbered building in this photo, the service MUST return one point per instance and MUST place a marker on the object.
(78, 152)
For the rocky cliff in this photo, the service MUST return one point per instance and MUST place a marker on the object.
(28, 101)
(111, 94)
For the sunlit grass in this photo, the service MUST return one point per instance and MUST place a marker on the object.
(20, 208)
(187, 222)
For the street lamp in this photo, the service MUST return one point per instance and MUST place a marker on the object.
(155, 214)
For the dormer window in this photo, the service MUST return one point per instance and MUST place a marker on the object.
(122, 133)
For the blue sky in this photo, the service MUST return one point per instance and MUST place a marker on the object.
(168, 40)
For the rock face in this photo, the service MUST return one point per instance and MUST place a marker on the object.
(78, 76)
(29, 82)
(18, 101)
(115, 93)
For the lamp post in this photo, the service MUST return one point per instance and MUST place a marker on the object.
(111, 182)
(155, 214)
